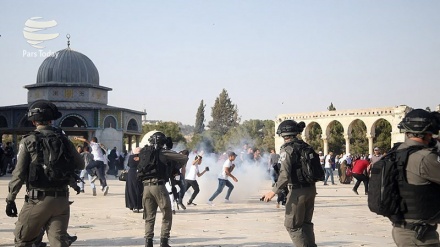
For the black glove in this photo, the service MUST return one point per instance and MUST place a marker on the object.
(207, 169)
(11, 209)
(77, 189)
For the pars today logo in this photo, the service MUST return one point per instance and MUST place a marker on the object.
(35, 33)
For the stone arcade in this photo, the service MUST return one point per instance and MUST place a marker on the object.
(393, 115)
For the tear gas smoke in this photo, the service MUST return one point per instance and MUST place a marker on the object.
(252, 177)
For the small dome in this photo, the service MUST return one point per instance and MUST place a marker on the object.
(68, 66)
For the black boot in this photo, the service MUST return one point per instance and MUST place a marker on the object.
(71, 239)
(164, 242)
(148, 242)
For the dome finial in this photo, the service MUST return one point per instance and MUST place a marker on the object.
(68, 40)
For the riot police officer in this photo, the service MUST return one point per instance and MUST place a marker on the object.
(417, 225)
(155, 193)
(301, 197)
(47, 201)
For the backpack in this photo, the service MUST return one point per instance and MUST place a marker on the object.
(309, 169)
(386, 175)
(54, 159)
(150, 165)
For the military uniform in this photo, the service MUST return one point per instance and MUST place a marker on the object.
(300, 199)
(44, 205)
(156, 195)
(423, 169)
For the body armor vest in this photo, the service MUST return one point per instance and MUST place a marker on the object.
(421, 201)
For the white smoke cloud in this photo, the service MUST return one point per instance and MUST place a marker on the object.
(251, 178)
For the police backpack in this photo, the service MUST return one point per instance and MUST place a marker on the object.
(309, 169)
(150, 165)
(54, 163)
(387, 174)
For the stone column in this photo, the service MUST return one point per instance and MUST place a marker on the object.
(370, 143)
(325, 145)
(347, 143)
(137, 141)
(130, 139)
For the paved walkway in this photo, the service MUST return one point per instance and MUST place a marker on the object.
(341, 219)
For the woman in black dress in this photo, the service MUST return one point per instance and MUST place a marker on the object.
(133, 187)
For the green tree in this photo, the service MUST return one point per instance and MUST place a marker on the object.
(268, 140)
(214, 139)
(224, 114)
(186, 129)
(382, 137)
(358, 139)
(235, 137)
(336, 141)
(314, 139)
(331, 107)
(199, 127)
(258, 133)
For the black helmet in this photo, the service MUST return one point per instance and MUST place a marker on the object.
(43, 110)
(158, 138)
(419, 121)
(290, 128)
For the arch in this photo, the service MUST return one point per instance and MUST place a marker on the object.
(110, 122)
(374, 125)
(132, 125)
(393, 115)
(309, 127)
(3, 122)
(360, 136)
(386, 130)
(335, 131)
(312, 134)
(73, 120)
(353, 122)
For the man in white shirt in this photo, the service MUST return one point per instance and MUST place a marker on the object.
(223, 181)
(98, 162)
(328, 168)
(190, 179)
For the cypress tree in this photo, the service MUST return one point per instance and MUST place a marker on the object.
(224, 114)
(200, 119)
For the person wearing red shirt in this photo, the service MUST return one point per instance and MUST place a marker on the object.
(359, 172)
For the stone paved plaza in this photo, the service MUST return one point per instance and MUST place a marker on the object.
(341, 219)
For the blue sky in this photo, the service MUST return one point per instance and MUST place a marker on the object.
(273, 57)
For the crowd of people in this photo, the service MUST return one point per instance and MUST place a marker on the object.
(47, 207)
(99, 164)
(349, 166)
